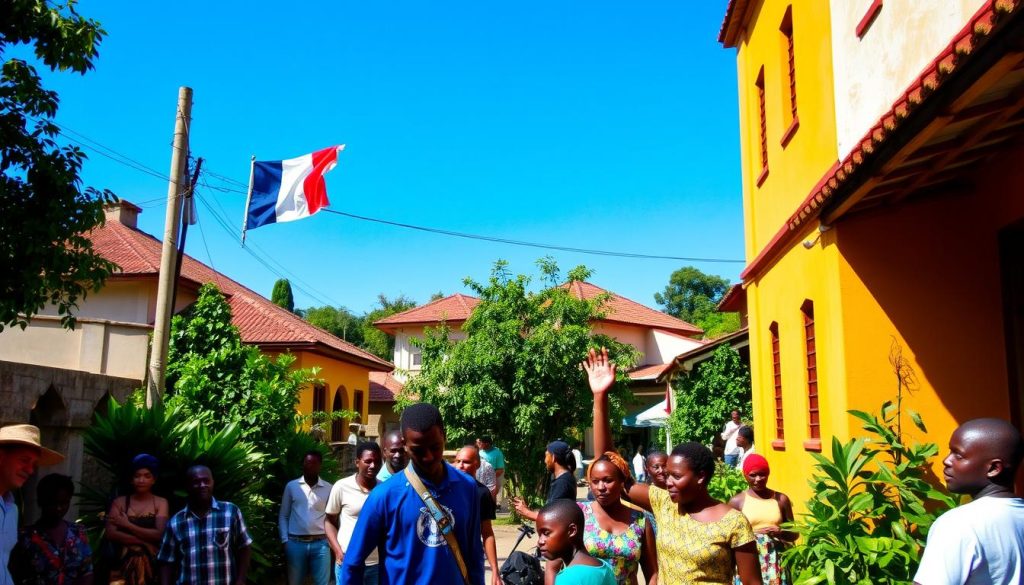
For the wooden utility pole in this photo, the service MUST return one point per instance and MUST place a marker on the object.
(168, 256)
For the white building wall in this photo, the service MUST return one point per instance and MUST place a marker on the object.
(871, 72)
(630, 334)
(663, 347)
(405, 350)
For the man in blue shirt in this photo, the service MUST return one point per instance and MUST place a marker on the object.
(395, 521)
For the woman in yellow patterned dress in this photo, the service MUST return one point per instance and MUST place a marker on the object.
(700, 540)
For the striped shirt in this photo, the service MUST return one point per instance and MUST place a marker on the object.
(203, 548)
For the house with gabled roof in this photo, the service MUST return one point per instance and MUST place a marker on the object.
(113, 325)
(658, 337)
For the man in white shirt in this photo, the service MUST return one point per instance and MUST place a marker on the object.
(347, 498)
(638, 465)
(980, 543)
(301, 524)
(731, 454)
(485, 474)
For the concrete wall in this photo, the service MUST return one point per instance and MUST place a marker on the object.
(877, 68)
(61, 403)
(96, 346)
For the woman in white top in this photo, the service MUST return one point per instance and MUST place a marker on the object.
(346, 501)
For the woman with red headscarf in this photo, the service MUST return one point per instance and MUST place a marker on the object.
(767, 510)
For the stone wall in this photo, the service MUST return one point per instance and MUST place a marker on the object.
(61, 403)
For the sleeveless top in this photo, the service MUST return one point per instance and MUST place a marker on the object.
(761, 512)
(621, 551)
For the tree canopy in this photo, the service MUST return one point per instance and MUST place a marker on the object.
(282, 294)
(693, 296)
(707, 395)
(516, 374)
(46, 211)
(359, 330)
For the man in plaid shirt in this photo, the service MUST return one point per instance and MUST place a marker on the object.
(207, 542)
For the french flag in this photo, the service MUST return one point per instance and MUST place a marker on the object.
(286, 190)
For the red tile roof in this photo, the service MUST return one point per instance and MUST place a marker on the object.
(733, 22)
(259, 321)
(384, 387)
(734, 300)
(452, 309)
(652, 372)
(619, 309)
(995, 16)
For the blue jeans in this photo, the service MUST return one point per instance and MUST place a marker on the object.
(370, 575)
(731, 460)
(308, 558)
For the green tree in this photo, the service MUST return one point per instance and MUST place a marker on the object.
(338, 321)
(376, 341)
(693, 296)
(282, 295)
(212, 373)
(46, 212)
(706, 396)
(515, 376)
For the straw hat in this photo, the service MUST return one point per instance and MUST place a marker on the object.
(28, 435)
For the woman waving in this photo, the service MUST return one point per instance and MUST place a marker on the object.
(700, 540)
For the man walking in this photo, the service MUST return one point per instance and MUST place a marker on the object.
(981, 542)
(496, 458)
(207, 542)
(20, 453)
(426, 535)
(394, 455)
(347, 499)
(301, 524)
(467, 460)
(731, 454)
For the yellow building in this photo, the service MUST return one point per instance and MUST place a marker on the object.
(882, 203)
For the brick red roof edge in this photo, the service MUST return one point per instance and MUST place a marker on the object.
(452, 308)
(384, 387)
(978, 29)
(259, 321)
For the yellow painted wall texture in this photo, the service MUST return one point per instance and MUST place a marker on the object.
(924, 273)
(337, 375)
(777, 297)
(795, 168)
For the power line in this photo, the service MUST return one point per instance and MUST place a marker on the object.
(528, 244)
(315, 295)
(439, 231)
(290, 275)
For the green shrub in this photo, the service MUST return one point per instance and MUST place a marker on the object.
(178, 442)
(872, 510)
(726, 483)
(706, 396)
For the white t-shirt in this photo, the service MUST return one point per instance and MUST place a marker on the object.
(347, 499)
(729, 436)
(638, 465)
(579, 459)
(979, 543)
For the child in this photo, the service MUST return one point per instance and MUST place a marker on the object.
(560, 539)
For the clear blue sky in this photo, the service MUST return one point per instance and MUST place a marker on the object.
(602, 125)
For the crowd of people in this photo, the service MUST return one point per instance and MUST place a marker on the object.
(408, 516)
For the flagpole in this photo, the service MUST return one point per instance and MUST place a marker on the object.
(248, 198)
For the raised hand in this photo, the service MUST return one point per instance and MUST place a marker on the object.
(600, 371)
